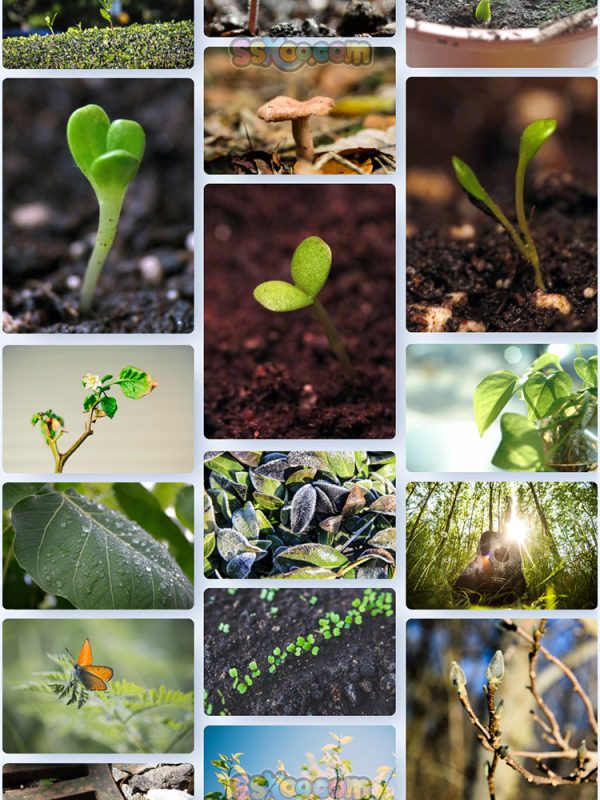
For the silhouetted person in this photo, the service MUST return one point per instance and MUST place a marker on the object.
(495, 576)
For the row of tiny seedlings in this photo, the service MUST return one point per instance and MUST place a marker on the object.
(330, 625)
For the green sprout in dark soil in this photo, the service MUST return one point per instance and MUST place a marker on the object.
(483, 12)
(532, 139)
(310, 268)
(109, 155)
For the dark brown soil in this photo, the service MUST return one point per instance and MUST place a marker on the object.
(51, 212)
(505, 13)
(354, 18)
(270, 375)
(460, 259)
(353, 674)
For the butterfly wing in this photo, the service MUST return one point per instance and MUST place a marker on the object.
(96, 678)
(85, 655)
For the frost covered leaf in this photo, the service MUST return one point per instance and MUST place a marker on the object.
(95, 557)
(240, 566)
(246, 522)
(355, 501)
(303, 508)
(343, 463)
(384, 505)
(231, 543)
(320, 555)
(385, 538)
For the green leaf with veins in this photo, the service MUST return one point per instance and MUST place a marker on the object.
(544, 394)
(587, 369)
(491, 396)
(95, 557)
(521, 448)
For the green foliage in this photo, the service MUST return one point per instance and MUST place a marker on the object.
(532, 138)
(299, 515)
(109, 155)
(552, 435)
(134, 383)
(483, 12)
(168, 45)
(444, 522)
(105, 9)
(126, 718)
(88, 549)
(50, 20)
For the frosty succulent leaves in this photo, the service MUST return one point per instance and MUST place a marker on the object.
(532, 139)
(483, 12)
(299, 515)
(309, 269)
(109, 155)
(97, 546)
(134, 383)
(553, 434)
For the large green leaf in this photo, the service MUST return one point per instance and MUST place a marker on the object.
(184, 507)
(143, 507)
(13, 492)
(95, 557)
(521, 448)
(491, 395)
(544, 393)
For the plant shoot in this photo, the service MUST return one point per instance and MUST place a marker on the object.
(310, 267)
(532, 138)
(109, 155)
(483, 12)
(134, 383)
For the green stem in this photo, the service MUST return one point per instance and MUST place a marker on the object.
(110, 211)
(532, 257)
(334, 339)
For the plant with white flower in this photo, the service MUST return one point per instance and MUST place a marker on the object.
(134, 383)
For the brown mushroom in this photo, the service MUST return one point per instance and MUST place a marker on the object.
(284, 108)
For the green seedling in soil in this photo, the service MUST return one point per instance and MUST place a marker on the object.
(310, 267)
(109, 155)
(532, 138)
(552, 435)
(50, 20)
(105, 9)
(483, 12)
(134, 383)
(253, 6)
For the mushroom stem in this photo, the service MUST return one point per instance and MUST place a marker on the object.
(303, 139)
(253, 16)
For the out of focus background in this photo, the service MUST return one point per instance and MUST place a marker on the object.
(444, 758)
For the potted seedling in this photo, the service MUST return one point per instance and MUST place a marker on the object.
(532, 139)
(309, 269)
(485, 34)
(109, 155)
(98, 404)
(554, 434)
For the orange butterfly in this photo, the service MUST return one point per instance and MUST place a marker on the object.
(91, 676)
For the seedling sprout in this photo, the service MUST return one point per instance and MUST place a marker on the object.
(532, 138)
(109, 155)
(483, 12)
(50, 19)
(310, 267)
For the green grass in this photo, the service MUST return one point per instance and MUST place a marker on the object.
(167, 45)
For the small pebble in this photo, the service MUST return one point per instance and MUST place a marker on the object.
(470, 326)
(77, 249)
(73, 282)
(462, 232)
(172, 294)
(151, 270)
(429, 319)
(31, 215)
(554, 302)
(590, 292)
(503, 284)
(455, 299)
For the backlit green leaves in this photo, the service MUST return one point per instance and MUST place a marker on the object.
(135, 383)
(532, 138)
(491, 395)
(310, 267)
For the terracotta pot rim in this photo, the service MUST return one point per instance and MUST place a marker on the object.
(504, 36)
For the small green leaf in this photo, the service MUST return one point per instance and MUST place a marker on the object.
(320, 555)
(184, 507)
(115, 170)
(311, 263)
(545, 361)
(135, 383)
(342, 462)
(105, 378)
(483, 12)
(470, 182)
(109, 406)
(491, 396)
(105, 15)
(521, 448)
(125, 134)
(281, 296)
(533, 137)
(87, 130)
(545, 393)
(587, 370)
(89, 401)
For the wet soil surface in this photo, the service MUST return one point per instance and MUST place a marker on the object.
(505, 13)
(305, 18)
(51, 212)
(352, 674)
(460, 262)
(271, 375)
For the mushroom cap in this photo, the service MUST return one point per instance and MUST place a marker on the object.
(283, 108)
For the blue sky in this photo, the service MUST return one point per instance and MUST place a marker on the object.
(264, 745)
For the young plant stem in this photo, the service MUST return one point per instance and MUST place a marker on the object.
(334, 339)
(60, 459)
(532, 253)
(110, 211)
